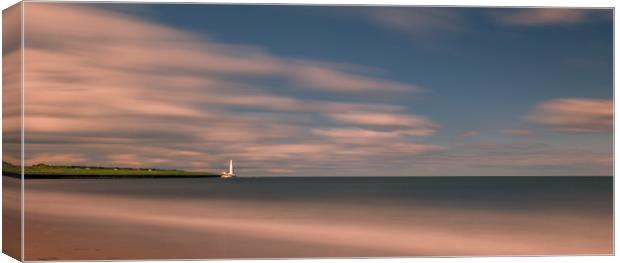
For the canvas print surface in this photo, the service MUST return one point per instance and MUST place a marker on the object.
(11, 131)
(204, 131)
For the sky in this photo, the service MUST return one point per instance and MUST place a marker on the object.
(320, 90)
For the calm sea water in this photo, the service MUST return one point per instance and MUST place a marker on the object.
(317, 217)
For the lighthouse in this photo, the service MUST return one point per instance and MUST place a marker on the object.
(231, 171)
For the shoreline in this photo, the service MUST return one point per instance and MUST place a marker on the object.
(44, 171)
(101, 176)
(167, 176)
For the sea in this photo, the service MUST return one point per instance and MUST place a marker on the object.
(315, 217)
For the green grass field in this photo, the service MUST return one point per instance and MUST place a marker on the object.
(53, 171)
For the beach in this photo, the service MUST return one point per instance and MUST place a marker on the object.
(198, 218)
(11, 221)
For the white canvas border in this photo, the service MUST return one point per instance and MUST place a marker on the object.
(505, 3)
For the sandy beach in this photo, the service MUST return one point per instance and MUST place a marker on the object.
(78, 225)
(11, 221)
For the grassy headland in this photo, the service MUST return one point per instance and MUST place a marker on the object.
(60, 171)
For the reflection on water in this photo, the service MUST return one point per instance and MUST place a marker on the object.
(317, 217)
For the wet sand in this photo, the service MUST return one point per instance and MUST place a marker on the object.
(86, 223)
(11, 217)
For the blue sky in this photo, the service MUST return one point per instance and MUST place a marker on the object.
(479, 65)
(436, 91)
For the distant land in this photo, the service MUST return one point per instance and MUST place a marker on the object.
(45, 171)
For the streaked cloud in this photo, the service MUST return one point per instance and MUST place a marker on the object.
(404, 123)
(357, 135)
(540, 156)
(156, 48)
(130, 92)
(11, 88)
(519, 159)
(67, 158)
(574, 115)
(544, 16)
(418, 21)
(517, 132)
(423, 23)
(106, 88)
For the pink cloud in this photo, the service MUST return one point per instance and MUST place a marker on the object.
(516, 132)
(356, 135)
(518, 159)
(407, 124)
(63, 158)
(542, 16)
(129, 92)
(470, 134)
(317, 76)
(417, 21)
(11, 88)
(150, 47)
(135, 93)
(574, 115)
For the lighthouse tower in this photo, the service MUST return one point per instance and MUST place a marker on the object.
(231, 171)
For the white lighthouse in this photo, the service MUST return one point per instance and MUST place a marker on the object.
(230, 173)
